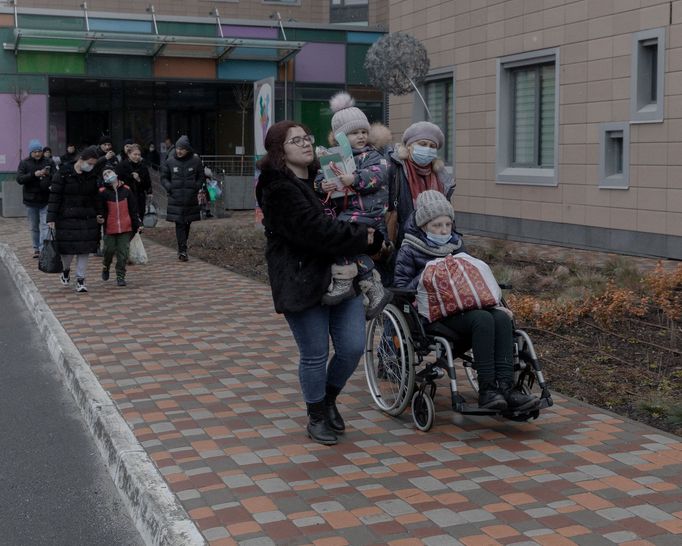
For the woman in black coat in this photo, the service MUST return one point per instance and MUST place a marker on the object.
(302, 243)
(134, 173)
(74, 213)
(182, 176)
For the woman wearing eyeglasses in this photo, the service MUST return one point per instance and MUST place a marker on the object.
(302, 243)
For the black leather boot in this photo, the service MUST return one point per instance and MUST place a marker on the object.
(490, 398)
(331, 412)
(317, 428)
(517, 400)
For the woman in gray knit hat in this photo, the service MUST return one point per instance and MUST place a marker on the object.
(416, 168)
(430, 234)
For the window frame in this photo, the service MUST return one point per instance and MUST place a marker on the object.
(419, 112)
(640, 110)
(615, 181)
(505, 171)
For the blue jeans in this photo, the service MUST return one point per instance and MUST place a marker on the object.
(37, 220)
(345, 323)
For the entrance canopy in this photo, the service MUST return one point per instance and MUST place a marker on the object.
(152, 45)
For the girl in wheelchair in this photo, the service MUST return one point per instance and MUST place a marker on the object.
(430, 234)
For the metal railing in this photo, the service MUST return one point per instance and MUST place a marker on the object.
(230, 165)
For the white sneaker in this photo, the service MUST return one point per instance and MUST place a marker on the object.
(80, 285)
(64, 278)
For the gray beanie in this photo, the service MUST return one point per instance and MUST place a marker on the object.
(431, 204)
(183, 142)
(347, 118)
(423, 130)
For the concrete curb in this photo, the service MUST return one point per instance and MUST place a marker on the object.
(157, 514)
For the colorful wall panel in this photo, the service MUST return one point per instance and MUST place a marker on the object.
(33, 125)
(235, 31)
(115, 66)
(185, 68)
(121, 25)
(50, 63)
(355, 60)
(246, 70)
(322, 63)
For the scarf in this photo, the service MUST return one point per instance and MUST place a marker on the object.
(435, 251)
(420, 179)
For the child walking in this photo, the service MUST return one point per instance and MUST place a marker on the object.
(430, 234)
(365, 201)
(121, 222)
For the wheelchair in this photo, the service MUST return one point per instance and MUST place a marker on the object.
(398, 343)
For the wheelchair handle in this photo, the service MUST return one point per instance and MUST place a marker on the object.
(505, 286)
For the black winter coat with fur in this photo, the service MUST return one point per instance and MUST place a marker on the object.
(302, 241)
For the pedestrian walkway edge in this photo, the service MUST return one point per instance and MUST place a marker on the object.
(157, 514)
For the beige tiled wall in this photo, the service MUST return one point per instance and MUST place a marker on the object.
(594, 38)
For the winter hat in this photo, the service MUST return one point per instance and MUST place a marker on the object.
(432, 204)
(423, 130)
(347, 118)
(105, 139)
(128, 141)
(34, 146)
(89, 153)
(183, 142)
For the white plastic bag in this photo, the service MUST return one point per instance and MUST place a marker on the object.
(137, 254)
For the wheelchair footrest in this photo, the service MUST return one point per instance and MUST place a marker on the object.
(473, 409)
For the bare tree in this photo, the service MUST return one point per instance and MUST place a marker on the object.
(243, 95)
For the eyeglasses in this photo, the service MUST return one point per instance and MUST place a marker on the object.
(301, 141)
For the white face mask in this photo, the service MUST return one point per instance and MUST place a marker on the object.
(440, 240)
(86, 167)
(423, 155)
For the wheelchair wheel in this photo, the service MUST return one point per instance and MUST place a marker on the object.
(389, 361)
(423, 410)
(472, 376)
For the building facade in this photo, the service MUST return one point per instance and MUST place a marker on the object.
(69, 74)
(563, 117)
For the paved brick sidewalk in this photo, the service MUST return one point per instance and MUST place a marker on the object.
(205, 374)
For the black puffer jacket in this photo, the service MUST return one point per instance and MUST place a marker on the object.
(302, 241)
(182, 179)
(74, 206)
(36, 191)
(125, 170)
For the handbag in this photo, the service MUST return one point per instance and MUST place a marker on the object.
(454, 284)
(50, 261)
(137, 255)
(150, 217)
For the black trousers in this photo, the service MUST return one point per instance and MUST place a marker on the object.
(181, 235)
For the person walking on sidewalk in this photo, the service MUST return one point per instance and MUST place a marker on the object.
(134, 173)
(182, 176)
(33, 174)
(118, 206)
(302, 244)
(72, 213)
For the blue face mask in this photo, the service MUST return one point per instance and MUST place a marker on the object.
(423, 155)
(440, 240)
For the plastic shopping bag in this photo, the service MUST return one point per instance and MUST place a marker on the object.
(150, 216)
(137, 254)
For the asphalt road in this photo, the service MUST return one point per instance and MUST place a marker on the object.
(54, 487)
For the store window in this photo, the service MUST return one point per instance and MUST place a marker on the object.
(349, 11)
(439, 94)
(527, 118)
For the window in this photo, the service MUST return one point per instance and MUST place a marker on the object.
(647, 73)
(439, 94)
(527, 118)
(349, 11)
(614, 155)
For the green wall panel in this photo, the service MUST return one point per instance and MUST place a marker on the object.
(306, 35)
(187, 29)
(8, 61)
(51, 22)
(33, 84)
(51, 63)
(114, 66)
(355, 60)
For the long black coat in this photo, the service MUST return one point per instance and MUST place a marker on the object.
(36, 191)
(182, 179)
(125, 170)
(74, 206)
(302, 241)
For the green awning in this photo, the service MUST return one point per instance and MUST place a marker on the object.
(151, 45)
